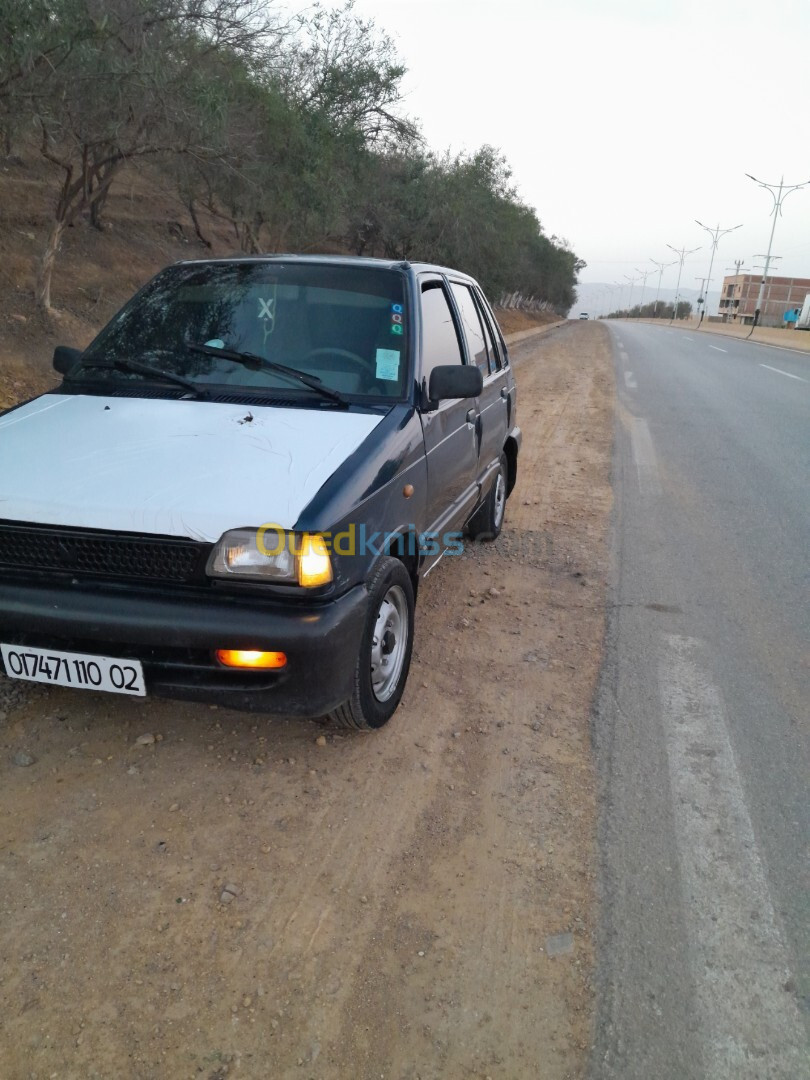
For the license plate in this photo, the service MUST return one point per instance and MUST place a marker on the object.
(80, 670)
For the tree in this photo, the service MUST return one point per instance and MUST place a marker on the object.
(344, 68)
(118, 89)
(290, 129)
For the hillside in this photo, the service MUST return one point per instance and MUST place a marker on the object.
(96, 271)
(145, 227)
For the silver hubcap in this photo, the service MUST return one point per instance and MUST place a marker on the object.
(500, 499)
(389, 643)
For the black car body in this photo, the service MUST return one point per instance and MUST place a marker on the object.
(187, 504)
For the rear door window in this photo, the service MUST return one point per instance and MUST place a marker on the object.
(497, 352)
(477, 347)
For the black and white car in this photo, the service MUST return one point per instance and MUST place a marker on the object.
(236, 488)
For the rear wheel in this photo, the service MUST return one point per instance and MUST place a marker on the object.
(487, 522)
(385, 650)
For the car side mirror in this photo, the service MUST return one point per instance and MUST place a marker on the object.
(64, 358)
(455, 381)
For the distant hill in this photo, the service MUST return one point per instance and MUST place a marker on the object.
(594, 298)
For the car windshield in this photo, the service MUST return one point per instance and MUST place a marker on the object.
(343, 325)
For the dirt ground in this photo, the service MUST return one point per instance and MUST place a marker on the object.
(190, 892)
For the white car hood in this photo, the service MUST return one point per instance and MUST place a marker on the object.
(174, 468)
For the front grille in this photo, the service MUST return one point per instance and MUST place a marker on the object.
(99, 554)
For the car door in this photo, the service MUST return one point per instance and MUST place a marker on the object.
(450, 428)
(483, 351)
(502, 377)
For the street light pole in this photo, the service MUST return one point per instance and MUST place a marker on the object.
(632, 282)
(715, 234)
(767, 298)
(644, 275)
(620, 285)
(701, 295)
(681, 253)
(779, 192)
(661, 268)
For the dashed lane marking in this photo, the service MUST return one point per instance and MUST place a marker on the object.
(785, 373)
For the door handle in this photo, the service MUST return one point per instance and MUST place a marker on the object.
(471, 416)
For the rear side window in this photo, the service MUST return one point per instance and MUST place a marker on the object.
(496, 354)
(440, 344)
(473, 330)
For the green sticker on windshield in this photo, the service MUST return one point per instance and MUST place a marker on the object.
(388, 364)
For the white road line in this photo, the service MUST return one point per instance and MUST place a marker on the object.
(687, 338)
(751, 1026)
(649, 482)
(717, 349)
(623, 355)
(780, 372)
(629, 381)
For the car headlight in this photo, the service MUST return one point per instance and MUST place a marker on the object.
(272, 555)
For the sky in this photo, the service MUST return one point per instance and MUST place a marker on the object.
(624, 121)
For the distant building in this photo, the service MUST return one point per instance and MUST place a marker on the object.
(738, 298)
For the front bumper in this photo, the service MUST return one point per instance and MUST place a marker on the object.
(175, 637)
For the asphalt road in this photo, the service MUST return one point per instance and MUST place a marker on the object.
(701, 725)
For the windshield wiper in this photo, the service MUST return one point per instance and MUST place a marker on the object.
(256, 363)
(147, 371)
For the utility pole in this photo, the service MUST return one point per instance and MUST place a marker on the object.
(681, 253)
(778, 192)
(715, 234)
(644, 275)
(738, 269)
(661, 268)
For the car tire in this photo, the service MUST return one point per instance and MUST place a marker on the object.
(385, 650)
(487, 522)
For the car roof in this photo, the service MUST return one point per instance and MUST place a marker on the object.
(334, 260)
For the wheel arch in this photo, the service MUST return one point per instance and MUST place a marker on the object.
(510, 449)
(403, 544)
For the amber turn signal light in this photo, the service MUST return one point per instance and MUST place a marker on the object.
(251, 658)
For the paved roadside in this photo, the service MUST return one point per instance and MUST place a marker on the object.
(794, 340)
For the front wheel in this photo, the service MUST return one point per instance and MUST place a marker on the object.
(487, 521)
(385, 650)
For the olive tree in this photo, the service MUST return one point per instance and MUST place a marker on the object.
(105, 82)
